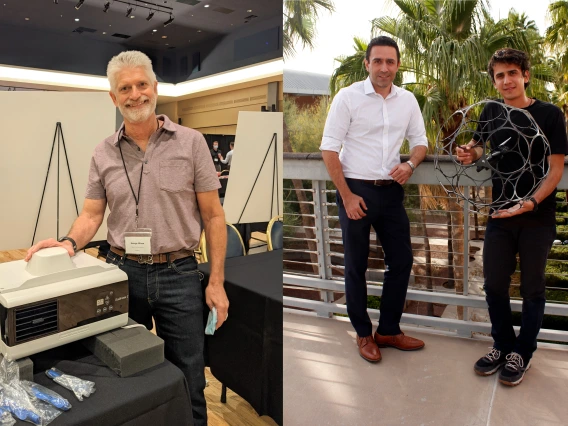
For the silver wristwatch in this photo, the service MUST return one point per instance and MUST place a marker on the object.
(411, 164)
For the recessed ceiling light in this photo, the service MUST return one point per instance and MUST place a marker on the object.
(164, 36)
(206, 5)
(167, 44)
(154, 31)
(249, 11)
(76, 19)
(132, 16)
(27, 19)
(110, 25)
(104, 32)
(198, 31)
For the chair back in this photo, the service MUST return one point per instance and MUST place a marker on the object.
(275, 234)
(235, 245)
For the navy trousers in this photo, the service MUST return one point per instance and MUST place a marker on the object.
(499, 262)
(387, 216)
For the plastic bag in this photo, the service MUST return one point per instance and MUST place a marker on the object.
(81, 388)
(9, 371)
(44, 394)
(14, 399)
(6, 418)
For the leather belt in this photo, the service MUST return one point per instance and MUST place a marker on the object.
(154, 258)
(378, 182)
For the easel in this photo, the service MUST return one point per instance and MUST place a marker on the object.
(60, 141)
(273, 141)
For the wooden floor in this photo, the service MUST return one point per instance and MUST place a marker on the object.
(236, 412)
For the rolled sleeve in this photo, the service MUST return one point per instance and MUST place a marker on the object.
(337, 123)
(205, 178)
(95, 188)
(416, 132)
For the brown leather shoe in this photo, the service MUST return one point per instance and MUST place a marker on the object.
(368, 349)
(399, 341)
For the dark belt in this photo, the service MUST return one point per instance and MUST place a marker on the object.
(378, 182)
(154, 258)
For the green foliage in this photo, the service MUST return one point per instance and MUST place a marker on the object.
(300, 17)
(373, 302)
(445, 47)
(558, 253)
(305, 125)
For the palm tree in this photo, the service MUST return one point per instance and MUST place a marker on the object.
(445, 47)
(299, 26)
(299, 22)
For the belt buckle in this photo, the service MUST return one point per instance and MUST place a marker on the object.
(148, 261)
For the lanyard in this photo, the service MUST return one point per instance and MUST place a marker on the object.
(136, 199)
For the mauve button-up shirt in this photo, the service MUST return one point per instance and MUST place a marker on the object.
(177, 165)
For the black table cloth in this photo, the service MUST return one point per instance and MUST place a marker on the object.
(245, 354)
(158, 396)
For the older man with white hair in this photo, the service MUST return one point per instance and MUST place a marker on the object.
(160, 184)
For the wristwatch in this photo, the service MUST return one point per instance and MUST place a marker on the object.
(71, 240)
(411, 164)
(535, 204)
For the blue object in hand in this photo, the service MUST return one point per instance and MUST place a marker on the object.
(57, 402)
(211, 322)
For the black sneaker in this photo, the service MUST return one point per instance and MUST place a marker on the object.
(515, 369)
(490, 363)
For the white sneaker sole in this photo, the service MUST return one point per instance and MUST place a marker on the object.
(518, 382)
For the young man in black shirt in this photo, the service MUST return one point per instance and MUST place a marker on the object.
(527, 227)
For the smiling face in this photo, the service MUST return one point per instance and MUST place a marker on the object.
(135, 95)
(510, 81)
(382, 66)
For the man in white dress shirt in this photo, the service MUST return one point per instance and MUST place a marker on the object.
(366, 126)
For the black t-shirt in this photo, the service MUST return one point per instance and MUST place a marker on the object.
(513, 133)
(215, 154)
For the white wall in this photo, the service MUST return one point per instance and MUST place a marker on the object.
(27, 128)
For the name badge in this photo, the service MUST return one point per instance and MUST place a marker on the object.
(138, 242)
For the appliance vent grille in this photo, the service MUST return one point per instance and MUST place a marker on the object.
(36, 321)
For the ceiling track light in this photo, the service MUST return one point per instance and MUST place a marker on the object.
(79, 4)
(169, 21)
(106, 7)
(150, 15)
(55, 1)
(128, 11)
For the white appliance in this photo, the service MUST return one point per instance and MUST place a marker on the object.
(56, 299)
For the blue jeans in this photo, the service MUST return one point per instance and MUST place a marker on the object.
(499, 262)
(173, 295)
(386, 214)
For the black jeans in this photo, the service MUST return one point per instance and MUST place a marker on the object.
(386, 214)
(173, 295)
(499, 262)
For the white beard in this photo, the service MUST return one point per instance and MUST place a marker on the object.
(140, 114)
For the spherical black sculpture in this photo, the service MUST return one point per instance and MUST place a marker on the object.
(514, 152)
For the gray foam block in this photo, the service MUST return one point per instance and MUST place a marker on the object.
(127, 351)
(26, 367)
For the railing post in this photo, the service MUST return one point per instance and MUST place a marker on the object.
(322, 237)
(465, 273)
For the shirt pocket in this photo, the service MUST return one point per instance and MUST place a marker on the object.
(174, 175)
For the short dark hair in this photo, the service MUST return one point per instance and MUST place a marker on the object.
(231, 143)
(509, 56)
(382, 41)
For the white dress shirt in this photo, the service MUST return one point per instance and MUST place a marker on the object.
(371, 129)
